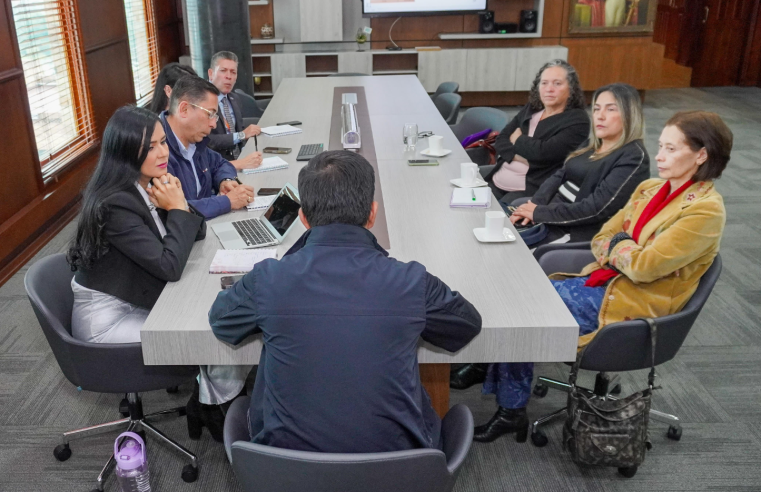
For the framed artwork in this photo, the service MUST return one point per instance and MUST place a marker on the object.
(612, 16)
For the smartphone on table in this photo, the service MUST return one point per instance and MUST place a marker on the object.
(276, 150)
(227, 282)
(268, 191)
(422, 162)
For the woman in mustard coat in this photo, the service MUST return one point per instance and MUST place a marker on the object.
(650, 255)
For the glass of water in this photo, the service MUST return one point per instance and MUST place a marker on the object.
(409, 135)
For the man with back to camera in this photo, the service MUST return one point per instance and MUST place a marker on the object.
(229, 136)
(341, 323)
(202, 172)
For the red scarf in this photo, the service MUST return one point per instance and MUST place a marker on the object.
(657, 203)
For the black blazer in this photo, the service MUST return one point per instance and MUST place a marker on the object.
(554, 138)
(139, 263)
(219, 139)
(605, 190)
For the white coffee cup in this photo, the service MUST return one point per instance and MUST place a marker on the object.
(468, 172)
(495, 224)
(435, 144)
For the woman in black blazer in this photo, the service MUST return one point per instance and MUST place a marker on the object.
(597, 180)
(135, 234)
(539, 138)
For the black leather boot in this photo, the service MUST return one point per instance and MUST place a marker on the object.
(467, 376)
(505, 421)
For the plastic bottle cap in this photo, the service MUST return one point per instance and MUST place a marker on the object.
(130, 455)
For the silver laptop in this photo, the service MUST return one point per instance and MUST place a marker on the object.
(267, 230)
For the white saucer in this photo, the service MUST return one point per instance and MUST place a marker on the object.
(507, 236)
(458, 182)
(439, 154)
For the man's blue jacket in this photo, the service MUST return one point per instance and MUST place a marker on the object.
(211, 167)
(341, 323)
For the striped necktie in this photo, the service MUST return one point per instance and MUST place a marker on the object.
(229, 123)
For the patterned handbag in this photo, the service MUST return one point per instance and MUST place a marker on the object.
(609, 432)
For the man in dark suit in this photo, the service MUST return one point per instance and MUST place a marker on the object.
(341, 322)
(229, 136)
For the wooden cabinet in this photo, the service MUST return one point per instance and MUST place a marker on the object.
(287, 65)
(436, 67)
(676, 29)
(355, 62)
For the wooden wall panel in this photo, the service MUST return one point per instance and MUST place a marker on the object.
(20, 183)
(600, 61)
(751, 69)
(110, 73)
(8, 57)
(103, 21)
(171, 33)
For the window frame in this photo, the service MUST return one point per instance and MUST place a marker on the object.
(151, 31)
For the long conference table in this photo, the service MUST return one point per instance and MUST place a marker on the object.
(524, 319)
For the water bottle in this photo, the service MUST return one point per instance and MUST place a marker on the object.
(131, 465)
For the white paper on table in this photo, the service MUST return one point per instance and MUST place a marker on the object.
(261, 202)
(280, 130)
(239, 260)
(268, 164)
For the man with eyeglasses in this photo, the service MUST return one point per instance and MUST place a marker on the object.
(229, 136)
(209, 181)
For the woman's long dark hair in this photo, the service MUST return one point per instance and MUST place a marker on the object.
(169, 75)
(125, 146)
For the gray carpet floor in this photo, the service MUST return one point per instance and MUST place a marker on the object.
(714, 384)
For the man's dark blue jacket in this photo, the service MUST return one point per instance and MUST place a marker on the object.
(211, 167)
(341, 323)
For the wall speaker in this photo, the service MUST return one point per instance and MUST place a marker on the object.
(529, 20)
(486, 21)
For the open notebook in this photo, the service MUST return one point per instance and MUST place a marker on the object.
(471, 198)
(268, 164)
(280, 130)
(239, 260)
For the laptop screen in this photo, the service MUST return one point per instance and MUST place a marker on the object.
(283, 211)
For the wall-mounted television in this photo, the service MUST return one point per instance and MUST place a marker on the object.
(388, 8)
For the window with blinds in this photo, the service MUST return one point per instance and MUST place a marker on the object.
(50, 44)
(142, 47)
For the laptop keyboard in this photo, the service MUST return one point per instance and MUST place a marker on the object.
(308, 151)
(253, 232)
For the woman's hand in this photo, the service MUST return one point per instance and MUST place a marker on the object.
(166, 193)
(517, 133)
(524, 213)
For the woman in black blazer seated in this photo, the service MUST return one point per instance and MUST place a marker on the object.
(134, 235)
(539, 138)
(598, 179)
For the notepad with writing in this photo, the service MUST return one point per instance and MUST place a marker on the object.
(261, 202)
(464, 198)
(239, 260)
(280, 130)
(268, 164)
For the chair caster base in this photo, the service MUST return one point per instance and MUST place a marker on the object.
(674, 433)
(628, 472)
(62, 452)
(539, 439)
(189, 473)
(540, 390)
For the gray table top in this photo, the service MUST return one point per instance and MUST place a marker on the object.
(523, 317)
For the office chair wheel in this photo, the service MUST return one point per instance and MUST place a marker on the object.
(628, 472)
(674, 433)
(616, 390)
(541, 390)
(539, 439)
(124, 407)
(62, 452)
(173, 390)
(189, 473)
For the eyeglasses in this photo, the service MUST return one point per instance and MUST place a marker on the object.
(213, 115)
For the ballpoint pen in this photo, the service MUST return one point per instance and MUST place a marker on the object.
(473, 193)
(256, 144)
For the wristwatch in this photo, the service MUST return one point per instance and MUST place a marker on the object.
(241, 136)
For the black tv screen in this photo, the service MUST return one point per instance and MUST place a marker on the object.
(381, 8)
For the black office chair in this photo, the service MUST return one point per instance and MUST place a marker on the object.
(267, 469)
(251, 108)
(349, 74)
(99, 367)
(623, 346)
(476, 120)
(448, 105)
(445, 88)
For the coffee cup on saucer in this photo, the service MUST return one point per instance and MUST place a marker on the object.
(435, 144)
(468, 173)
(495, 224)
